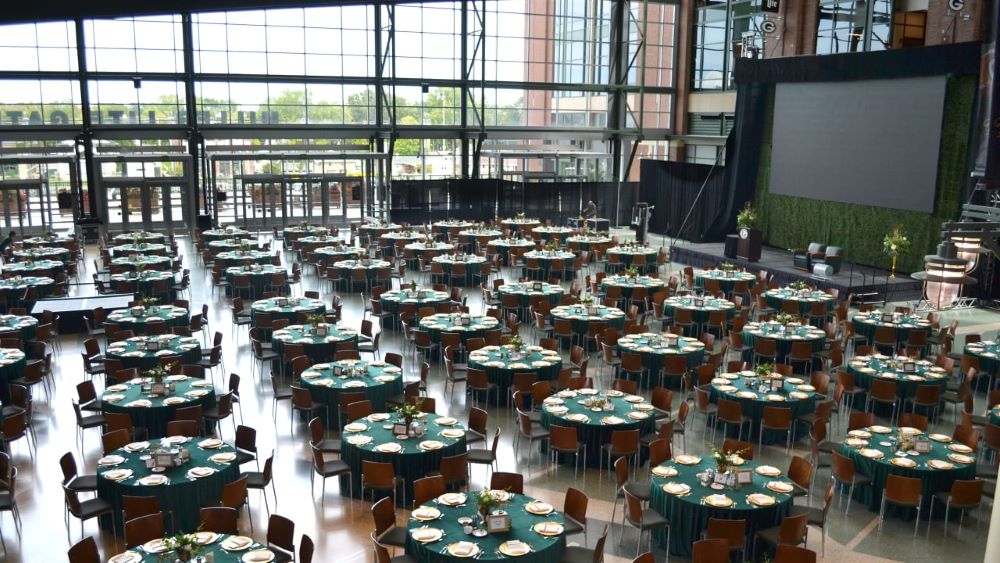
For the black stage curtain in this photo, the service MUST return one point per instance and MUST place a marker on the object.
(672, 188)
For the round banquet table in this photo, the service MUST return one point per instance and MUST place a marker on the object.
(370, 268)
(21, 326)
(376, 230)
(287, 308)
(58, 254)
(691, 505)
(312, 242)
(139, 236)
(866, 323)
(53, 241)
(337, 253)
(317, 347)
(290, 234)
(411, 461)
(406, 237)
(867, 369)
(521, 223)
(994, 415)
(627, 256)
(240, 257)
(655, 348)
(149, 262)
(587, 242)
(377, 380)
(699, 313)
(141, 283)
(793, 393)
(42, 268)
(227, 233)
(776, 297)
(553, 234)
(260, 277)
(527, 292)
(628, 284)
(501, 363)
(134, 354)
(476, 327)
(504, 246)
(422, 297)
(450, 507)
(580, 317)
(875, 460)
(784, 338)
(143, 248)
(219, 547)
(547, 257)
(153, 413)
(454, 225)
(726, 279)
(168, 314)
(13, 287)
(226, 245)
(594, 428)
(482, 236)
(473, 264)
(988, 353)
(181, 495)
(421, 248)
(12, 362)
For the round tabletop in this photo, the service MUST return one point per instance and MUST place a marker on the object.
(528, 291)
(725, 278)
(553, 233)
(501, 363)
(586, 242)
(468, 326)
(628, 283)
(595, 423)
(988, 353)
(581, 316)
(319, 341)
(865, 324)
(677, 494)
(338, 253)
(293, 233)
(377, 380)
(805, 298)
(227, 233)
(536, 532)
(21, 325)
(139, 237)
(236, 257)
(783, 335)
(444, 226)
(310, 241)
(549, 255)
(378, 229)
(55, 240)
(656, 348)
(181, 489)
(420, 297)
(419, 248)
(508, 243)
(906, 373)
(144, 248)
(408, 236)
(138, 319)
(152, 412)
(12, 362)
(42, 253)
(224, 548)
(483, 234)
(451, 259)
(36, 266)
(18, 284)
(754, 395)
(700, 307)
(136, 351)
(226, 245)
(287, 307)
(526, 223)
(151, 262)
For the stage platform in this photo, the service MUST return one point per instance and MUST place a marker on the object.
(852, 278)
(72, 309)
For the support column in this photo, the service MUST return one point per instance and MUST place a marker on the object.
(88, 134)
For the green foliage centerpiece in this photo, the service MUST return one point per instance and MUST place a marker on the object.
(747, 217)
(895, 244)
(726, 459)
(487, 501)
(409, 411)
(184, 546)
(631, 272)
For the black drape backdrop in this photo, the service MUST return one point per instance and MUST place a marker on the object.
(672, 188)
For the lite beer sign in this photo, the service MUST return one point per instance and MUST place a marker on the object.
(132, 117)
(772, 6)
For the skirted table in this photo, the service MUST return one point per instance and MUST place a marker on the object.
(290, 234)
(21, 326)
(525, 224)
(802, 299)
(448, 226)
(598, 224)
(181, 490)
(747, 389)
(396, 237)
(143, 248)
(628, 256)
(553, 234)
(994, 415)
(227, 233)
(12, 362)
(627, 284)
(452, 263)
(548, 258)
(726, 278)
(875, 455)
(137, 237)
(319, 347)
(12, 287)
(52, 241)
(783, 335)
(136, 353)
(587, 242)
(42, 268)
(58, 254)
(467, 326)
(866, 323)
(347, 269)
(677, 494)
(239, 257)
(134, 398)
(224, 548)
(377, 380)
(501, 363)
(595, 424)
(421, 297)
(143, 284)
(700, 307)
(581, 316)
(656, 348)
(260, 276)
(376, 230)
(536, 532)
(287, 308)
(529, 292)
(138, 319)
(337, 253)
(422, 248)
(312, 242)
(371, 439)
(481, 236)
(988, 353)
(867, 369)
(142, 261)
(227, 245)
(504, 247)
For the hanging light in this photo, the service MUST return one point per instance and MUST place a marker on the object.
(944, 275)
(968, 247)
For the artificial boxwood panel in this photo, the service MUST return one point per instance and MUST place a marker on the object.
(794, 222)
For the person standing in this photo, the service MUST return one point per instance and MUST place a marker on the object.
(590, 211)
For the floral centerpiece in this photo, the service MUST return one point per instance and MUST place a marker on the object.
(784, 318)
(49, 234)
(728, 267)
(550, 246)
(157, 373)
(764, 371)
(520, 215)
(725, 459)
(516, 343)
(487, 501)
(315, 319)
(895, 244)
(409, 411)
(631, 272)
(747, 217)
(184, 546)
(800, 285)
(244, 245)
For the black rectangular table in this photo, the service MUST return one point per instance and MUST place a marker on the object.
(71, 309)
(596, 224)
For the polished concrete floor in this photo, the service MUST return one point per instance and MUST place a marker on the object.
(341, 528)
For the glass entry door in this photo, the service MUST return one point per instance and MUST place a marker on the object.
(25, 206)
(144, 204)
(277, 201)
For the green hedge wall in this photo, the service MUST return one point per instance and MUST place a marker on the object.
(794, 222)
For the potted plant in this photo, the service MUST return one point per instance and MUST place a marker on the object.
(184, 546)
(895, 244)
(747, 217)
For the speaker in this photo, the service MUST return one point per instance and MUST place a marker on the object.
(731, 244)
(822, 270)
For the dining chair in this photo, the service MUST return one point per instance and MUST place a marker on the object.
(575, 513)
(84, 551)
(427, 489)
(734, 532)
(581, 554)
(903, 492)
(645, 520)
(564, 440)
(234, 495)
(791, 531)
(711, 550)
(382, 554)
(326, 468)
(510, 482)
(793, 554)
(380, 477)
(487, 457)
(844, 474)
(386, 529)
(218, 519)
(964, 495)
(259, 480)
(281, 535)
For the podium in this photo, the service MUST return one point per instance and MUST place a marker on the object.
(749, 245)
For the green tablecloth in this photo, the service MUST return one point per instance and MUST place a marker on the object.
(988, 353)
(182, 496)
(311, 243)
(287, 308)
(700, 313)
(421, 249)
(376, 380)
(406, 237)
(222, 234)
(35, 268)
(995, 415)
(149, 262)
(17, 325)
(580, 319)
(449, 322)
(866, 323)
(526, 291)
(627, 284)
(595, 428)
(411, 462)
(504, 246)
(752, 400)
(348, 267)
(12, 288)
(448, 225)
(129, 352)
(689, 513)
(58, 254)
(260, 277)
(239, 257)
(12, 363)
(775, 297)
(337, 253)
(318, 348)
(219, 553)
(54, 241)
(141, 283)
(543, 550)
(500, 367)
(423, 297)
(168, 314)
(654, 350)
(139, 236)
(878, 470)
(587, 242)
(525, 224)
(473, 265)
(866, 369)
(777, 332)
(726, 282)
(627, 255)
(227, 245)
(193, 391)
(376, 230)
(483, 236)
(144, 248)
(545, 260)
(556, 234)
(290, 234)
